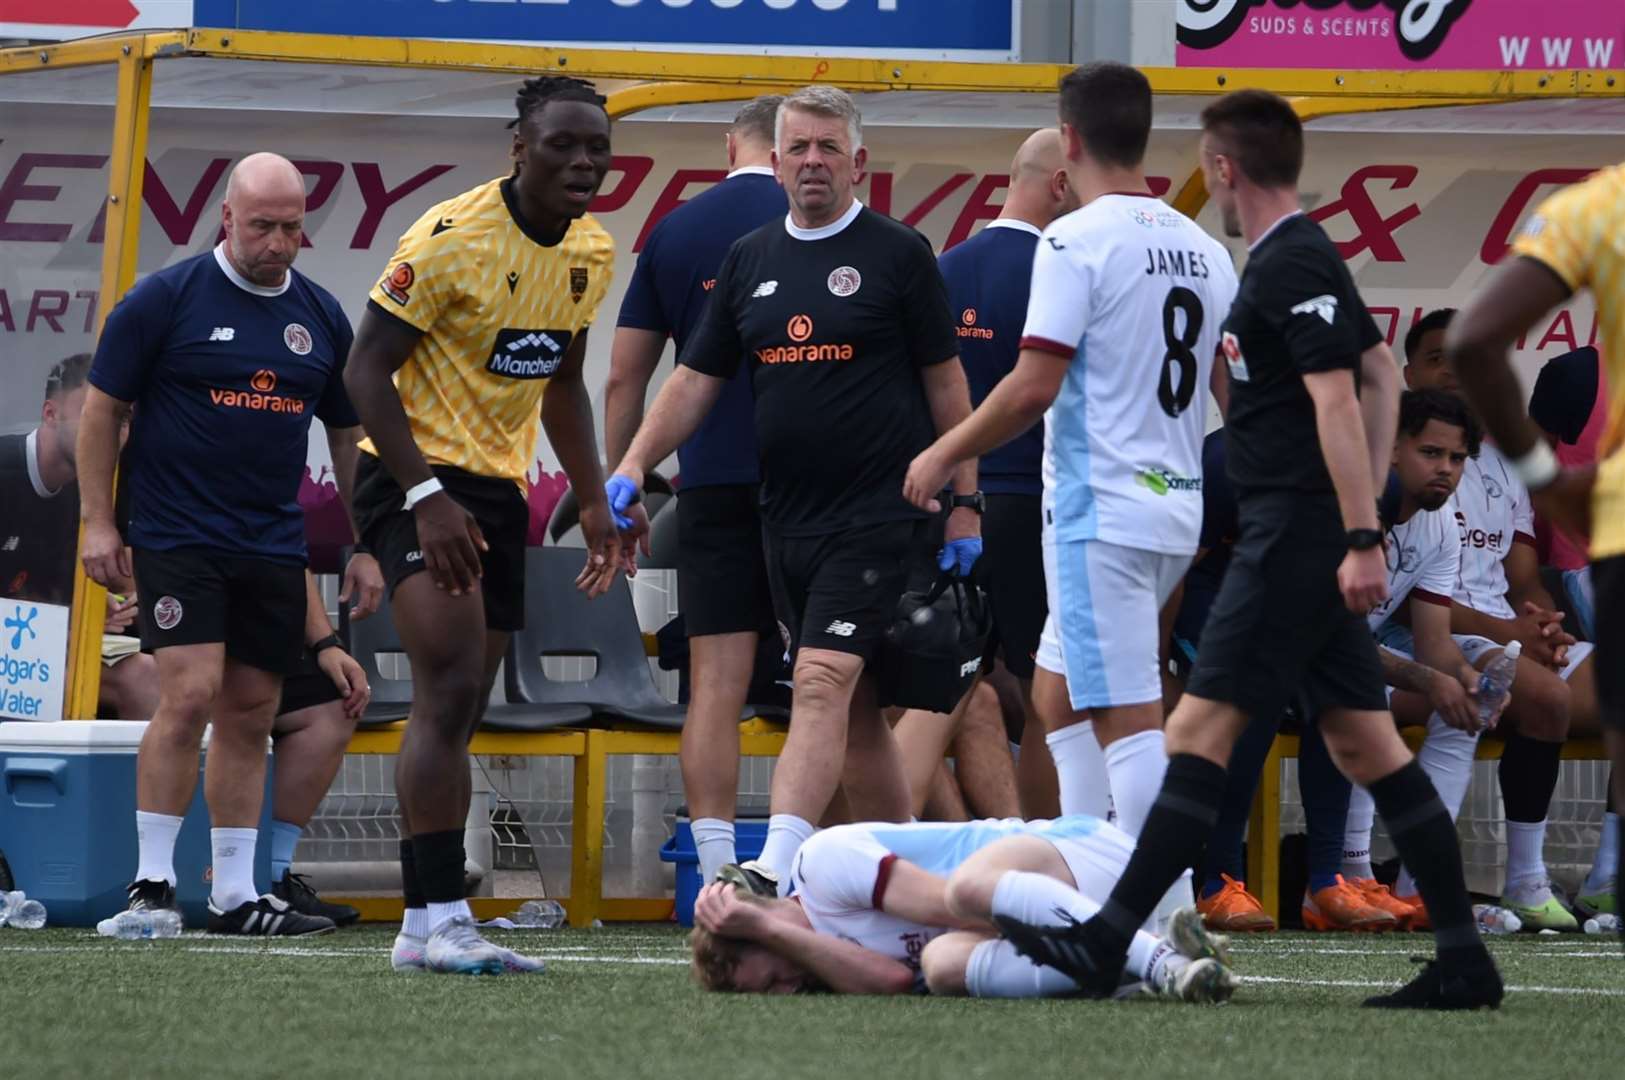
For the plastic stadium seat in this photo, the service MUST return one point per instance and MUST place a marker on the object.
(561, 621)
(657, 491)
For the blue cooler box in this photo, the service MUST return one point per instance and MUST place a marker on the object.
(67, 821)
(749, 836)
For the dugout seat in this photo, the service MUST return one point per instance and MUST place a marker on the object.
(561, 621)
(566, 516)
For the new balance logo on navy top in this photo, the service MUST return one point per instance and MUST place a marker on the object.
(222, 333)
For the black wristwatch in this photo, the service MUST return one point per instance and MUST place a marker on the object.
(1364, 539)
(360, 549)
(975, 500)
(331, 641)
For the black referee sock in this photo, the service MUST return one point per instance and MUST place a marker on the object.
(411, 891)
(438, 858)
(1176, 831)
(1528, 771)
(1426, 839)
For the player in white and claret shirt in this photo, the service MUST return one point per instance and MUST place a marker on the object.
(1500, 598)
(1122, 329)
(881, 908)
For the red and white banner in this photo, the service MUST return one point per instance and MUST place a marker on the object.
(1401, 34)
(62, 20)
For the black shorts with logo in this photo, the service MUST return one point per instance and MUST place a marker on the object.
(199, 596)
(839, 591)
(1608, 585)
(1011, 572)
(306, 688)
(390, 530)
(721, 569)
(1279, 631)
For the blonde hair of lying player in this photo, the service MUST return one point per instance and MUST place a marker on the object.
(934, 933)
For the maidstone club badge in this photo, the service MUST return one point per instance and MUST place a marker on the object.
(578, 283)
(296, 338)
(845, 280)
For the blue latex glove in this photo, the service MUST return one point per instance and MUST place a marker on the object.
(960, 555)
(622, 493)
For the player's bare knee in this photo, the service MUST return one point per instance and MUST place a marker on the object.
(969, 892)
(943, 963)
(1540, 705)
(823, 687)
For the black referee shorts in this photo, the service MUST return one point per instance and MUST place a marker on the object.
(1279, 631)
(1011, 572)
(840, 591)
(390, 530)
(721, 568)
(1608, 583)
(198, 596)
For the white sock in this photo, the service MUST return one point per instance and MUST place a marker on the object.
(416, 923)
(1036, 899)
(233, 867)
(785, 835)
(1357, 834)
(1135, 767)
(440, 914)
(996, 970)
(1526, 853)
(1180, 894)
(714, 841)
(1605, 866)
(1447, 757)
(155, 837)
(1080, 766)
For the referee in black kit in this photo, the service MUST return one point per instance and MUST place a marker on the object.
(842, 317)
(1289, 620)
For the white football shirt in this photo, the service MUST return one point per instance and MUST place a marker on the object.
(1132, 292)
(1492, 511)
(1424, 558)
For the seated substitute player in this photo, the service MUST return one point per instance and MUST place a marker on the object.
(1500, 597)
(895, 909)
(473, 341)
(1572, 242)
(1313, 411)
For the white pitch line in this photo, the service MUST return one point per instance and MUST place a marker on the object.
(132, 948)
(1371, 984)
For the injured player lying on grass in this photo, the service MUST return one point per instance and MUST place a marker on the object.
(893, 909)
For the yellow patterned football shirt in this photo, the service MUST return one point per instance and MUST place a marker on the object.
(1579, 233)
(498, 310)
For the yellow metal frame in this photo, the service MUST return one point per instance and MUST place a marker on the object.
(668, 79)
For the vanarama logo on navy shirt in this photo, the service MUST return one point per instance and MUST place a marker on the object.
(528, 354)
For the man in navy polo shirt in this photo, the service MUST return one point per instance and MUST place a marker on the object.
(989, 278)
(225, 358)
(721, 575)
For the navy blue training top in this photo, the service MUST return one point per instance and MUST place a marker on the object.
(225, 377)
(989, 279)
(674, 276)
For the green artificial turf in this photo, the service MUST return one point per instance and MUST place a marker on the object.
(618, 1003)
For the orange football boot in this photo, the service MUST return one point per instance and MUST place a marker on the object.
(1234, 910)
(1344, 907)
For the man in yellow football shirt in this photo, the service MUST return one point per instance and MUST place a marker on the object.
(1572, 242)
(474, 337)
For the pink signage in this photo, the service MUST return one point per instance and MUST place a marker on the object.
(1400, 34)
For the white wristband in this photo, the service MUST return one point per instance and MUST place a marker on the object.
(422, 491)
(1538, 467)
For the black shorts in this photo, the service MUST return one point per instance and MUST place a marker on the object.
(306, 688)
(390, 530)
(199, 596)
(1011, 572)
(721, 570)
(1608, 585)
(1279, 631)
(840, 591)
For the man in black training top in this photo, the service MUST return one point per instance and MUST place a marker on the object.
(1290, 616)
(843, 318)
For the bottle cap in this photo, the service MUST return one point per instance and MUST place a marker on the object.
(1514, 649)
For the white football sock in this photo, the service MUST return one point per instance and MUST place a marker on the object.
(1035, 899)
(1447, 757)
(714, 842)
(1526, 854)
(440, 914)
(1080, 766)
(1180, 894)
(416, 923)
(996, 970)
(1357, 834)
(155, 838)
(1605, 865)
(233, 867)
(1135, 767)
(785, 835)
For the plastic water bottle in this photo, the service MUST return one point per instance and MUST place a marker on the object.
(9, 902)
(540, 915)
(1602, 924)
(141, 925)
(1494, 919)
(28, 915)
(1495, 683)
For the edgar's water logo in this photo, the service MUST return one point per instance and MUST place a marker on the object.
(18, 622)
